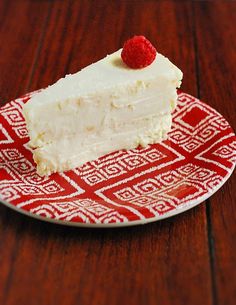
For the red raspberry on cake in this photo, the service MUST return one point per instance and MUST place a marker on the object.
(138, 52)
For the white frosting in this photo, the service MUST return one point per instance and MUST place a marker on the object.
(102, 108)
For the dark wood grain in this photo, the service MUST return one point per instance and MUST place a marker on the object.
(187, 259)
(21, 30)
(215, 28)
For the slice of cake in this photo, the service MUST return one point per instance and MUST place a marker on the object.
(107, 106)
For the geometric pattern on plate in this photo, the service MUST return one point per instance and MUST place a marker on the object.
(124, 187)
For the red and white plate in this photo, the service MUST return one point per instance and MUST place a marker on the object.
(125, 187)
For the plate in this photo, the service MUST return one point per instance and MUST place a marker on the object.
(125, 187)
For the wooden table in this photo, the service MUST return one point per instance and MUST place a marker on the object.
(188, 259)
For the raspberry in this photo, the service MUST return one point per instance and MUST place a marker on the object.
(138, 52)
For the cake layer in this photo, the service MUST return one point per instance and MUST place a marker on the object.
(92, 116)
(68, 153)
(106, 93)
(109, 73)
(104, 107)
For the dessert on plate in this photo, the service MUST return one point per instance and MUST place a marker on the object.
(120, 102)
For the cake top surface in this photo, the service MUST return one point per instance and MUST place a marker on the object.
(107, 73)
